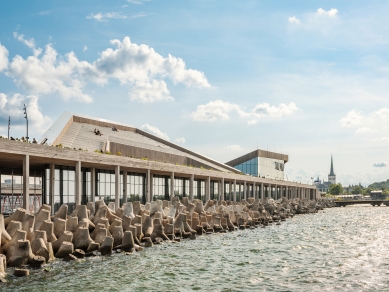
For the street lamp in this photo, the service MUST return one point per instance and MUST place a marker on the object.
(9, 125)
(25, 112)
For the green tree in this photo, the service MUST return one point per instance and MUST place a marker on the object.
(357, 190)
(336, 189)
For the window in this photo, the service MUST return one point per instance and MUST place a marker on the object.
(161, 186)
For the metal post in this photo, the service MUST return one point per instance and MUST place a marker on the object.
(26, 117)
(9, 125)
(26, 183)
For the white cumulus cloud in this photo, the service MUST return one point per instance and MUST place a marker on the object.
(294, 19)
(29, 43)
(330, 13)
(221, 110)
(3, 58)
(139, 67)
(155, 131)
(149, 92)
(13, 107)
(180, 140)
(353, 118)
(85, 48)
(374, 123)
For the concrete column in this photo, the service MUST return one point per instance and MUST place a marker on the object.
(93, 184)
(171, 186)
(222, 189)
(254, 190)
(191, 187)
(276, 192)
(286, 192)
(78, 182)
(245, 190)
(149, 180)
(117, 187)
(51, 187)
(26, 183)
(262, 189)
(208, 189)
(124, 186)
(234, 193)
(229, 190)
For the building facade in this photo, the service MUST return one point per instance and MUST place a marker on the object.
(77, 166)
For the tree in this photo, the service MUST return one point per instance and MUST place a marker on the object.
(336, 189)
(357, 190)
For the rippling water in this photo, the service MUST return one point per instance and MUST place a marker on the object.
(342, 249)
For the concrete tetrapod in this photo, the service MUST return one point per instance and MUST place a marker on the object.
(59, 227)
(62, 212)
(65, 249)
(65, 236)
(42, 216)
(39, 248)
(71, 224)
(13, 226)
(81, 238)
(128, 210)
(128, 243)
(28, 225)
(107, 246)
(3, 265)
(18, 215)
(5, 237)
(22, 254)
(48, 226)
(9, 248)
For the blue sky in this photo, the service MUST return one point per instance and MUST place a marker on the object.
(308, 78)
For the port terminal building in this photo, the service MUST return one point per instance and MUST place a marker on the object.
(72, 165)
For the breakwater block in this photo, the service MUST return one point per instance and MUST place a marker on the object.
(21, 272)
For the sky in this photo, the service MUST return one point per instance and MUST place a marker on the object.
(222, 78)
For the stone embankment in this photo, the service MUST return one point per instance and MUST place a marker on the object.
(96, 229)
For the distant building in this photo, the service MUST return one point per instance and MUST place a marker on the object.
(324, 186)
(261, 163)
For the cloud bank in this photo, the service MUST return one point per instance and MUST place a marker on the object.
(155, 131)
(221, 110)
(13, 107)
(139, 67)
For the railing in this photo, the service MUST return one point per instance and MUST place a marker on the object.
(20, 186)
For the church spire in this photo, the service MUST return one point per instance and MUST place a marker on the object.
(332, 168)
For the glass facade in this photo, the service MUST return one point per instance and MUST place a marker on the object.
(161, 186)
(250, 167)
(106, 185)
(199, 189)
(227, 193)
(136, 187)
(181, 187)
(214, 194)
